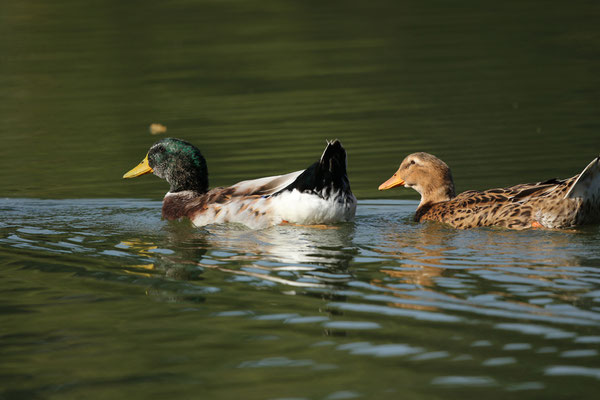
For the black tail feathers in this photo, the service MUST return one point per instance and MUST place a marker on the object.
(326, 176)
(334, 158)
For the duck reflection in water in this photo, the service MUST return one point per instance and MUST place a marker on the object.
(421, 254)
(289, 255)
(435, 262)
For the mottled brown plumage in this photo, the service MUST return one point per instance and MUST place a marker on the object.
(552, 204)
(188, 204)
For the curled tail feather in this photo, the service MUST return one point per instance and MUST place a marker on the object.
(587, 185)
(326, 175)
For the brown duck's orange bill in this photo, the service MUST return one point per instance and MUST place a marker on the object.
(141, 169)
(392, 182)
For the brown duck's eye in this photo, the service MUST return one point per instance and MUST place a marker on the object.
(412, 162)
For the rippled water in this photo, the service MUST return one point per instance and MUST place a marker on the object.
(100, 298)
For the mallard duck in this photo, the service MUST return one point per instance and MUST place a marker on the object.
(552, 204)
(319, 194)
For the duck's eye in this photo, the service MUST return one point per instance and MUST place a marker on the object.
(412, 162)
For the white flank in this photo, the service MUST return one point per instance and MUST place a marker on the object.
(294, 207)
(308, 209)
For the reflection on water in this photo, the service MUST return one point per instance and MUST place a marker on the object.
(528, 271)
(403, 306)
(308, 253)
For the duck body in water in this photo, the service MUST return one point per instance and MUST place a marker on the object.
(320, 194)
(551, 204)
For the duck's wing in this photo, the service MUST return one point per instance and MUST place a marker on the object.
(523, 192)
(587, 185)
(325, 177)
(264, 186)
(552, 188)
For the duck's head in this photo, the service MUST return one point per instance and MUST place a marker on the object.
(425, 173)
(178, 162)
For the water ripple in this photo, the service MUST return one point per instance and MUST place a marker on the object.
(312, 301)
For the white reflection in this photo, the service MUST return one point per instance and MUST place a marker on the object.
(290, 255)
(288, 244)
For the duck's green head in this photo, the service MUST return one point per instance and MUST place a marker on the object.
(178, 162)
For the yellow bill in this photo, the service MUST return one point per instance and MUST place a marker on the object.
(141, 169)
(394, 181)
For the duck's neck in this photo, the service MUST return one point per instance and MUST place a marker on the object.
(185, 175)
(186, 181)
(433, 194)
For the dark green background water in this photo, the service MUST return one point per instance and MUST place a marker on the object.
(102, 299)
(502, 92)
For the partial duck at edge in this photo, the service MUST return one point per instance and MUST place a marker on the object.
(551, 204)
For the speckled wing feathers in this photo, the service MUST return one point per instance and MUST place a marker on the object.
(516, 207)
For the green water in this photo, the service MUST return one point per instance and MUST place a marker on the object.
(102, 299)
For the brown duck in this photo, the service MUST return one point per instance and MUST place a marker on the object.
(552, 204)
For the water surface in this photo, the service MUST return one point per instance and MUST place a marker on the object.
(101, 298)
